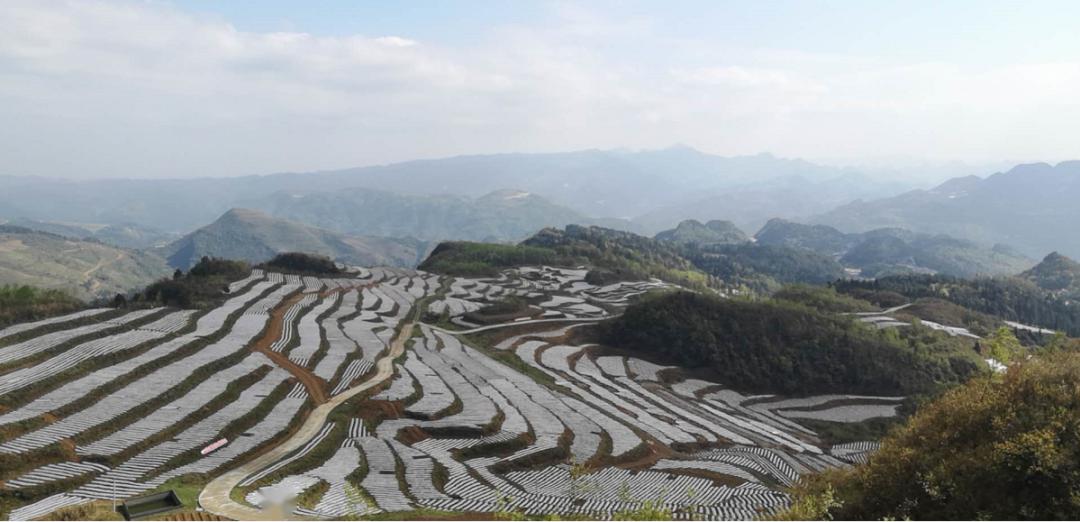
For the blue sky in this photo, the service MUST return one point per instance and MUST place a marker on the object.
(980, 32)
(163, 88)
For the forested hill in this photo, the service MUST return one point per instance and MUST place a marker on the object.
(1036, 297)
(779, 346)
(1056, 273)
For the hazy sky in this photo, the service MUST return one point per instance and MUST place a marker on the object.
(200, 88)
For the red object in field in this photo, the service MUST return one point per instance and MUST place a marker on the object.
(214, 446)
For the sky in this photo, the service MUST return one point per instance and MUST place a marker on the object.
(186, 88)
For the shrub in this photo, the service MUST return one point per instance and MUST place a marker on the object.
(994, 448)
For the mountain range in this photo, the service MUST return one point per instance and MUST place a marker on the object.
(1032, 207)
(643, 190)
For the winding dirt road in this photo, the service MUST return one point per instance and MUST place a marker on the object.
(215, 496)
(314, 385)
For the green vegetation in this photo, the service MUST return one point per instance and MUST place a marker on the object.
(301, 263)
(995, 448)
(26, 303)
(1003, 345)
(763, 269)
(203, 286)
(823, 299)
(1010, 298)
(781, 346)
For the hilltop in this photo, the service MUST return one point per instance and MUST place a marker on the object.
(253, 236)
(692, 231)
(87, 269)
(1056, 273)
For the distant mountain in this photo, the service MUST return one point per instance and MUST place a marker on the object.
(1056, 273)
(504, 215)
(692, 231)
(891, 250)
(750, 205)
(253, 236)
(123, 235)
(86, 268)
(663, 187)
(1030, 206)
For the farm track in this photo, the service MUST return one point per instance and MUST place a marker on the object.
(313, 384)
(215, 497)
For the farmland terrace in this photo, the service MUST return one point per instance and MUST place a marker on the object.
(392, 390)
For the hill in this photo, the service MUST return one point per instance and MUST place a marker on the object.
(778, 346)
(888, 251)
(713, 232)
(1030, 206)
(992, 449)
(253, 236)
(85, 268)
(503, 215)
(1056, 273)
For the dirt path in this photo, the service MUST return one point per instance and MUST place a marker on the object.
(95, 284)
(314, 385)
(215, 497)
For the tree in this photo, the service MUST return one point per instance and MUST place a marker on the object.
(1003, 345)
(120, 301)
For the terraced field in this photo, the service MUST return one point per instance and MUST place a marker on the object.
(470, 417)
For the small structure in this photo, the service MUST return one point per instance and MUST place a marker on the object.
(149, 505)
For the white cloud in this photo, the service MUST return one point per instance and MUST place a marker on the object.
(139, 89)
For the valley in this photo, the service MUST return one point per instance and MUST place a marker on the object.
(394, 400)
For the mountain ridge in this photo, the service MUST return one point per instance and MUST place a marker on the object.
(1030, 206)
